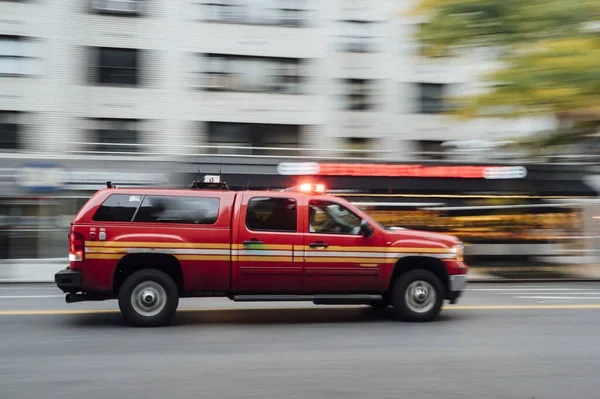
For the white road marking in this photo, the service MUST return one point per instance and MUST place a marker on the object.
(30, 296)
(527, 289)
(559, 297)
(583, 294)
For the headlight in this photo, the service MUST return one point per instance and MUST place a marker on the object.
(458, 251)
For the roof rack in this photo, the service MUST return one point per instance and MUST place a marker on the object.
(209, 183)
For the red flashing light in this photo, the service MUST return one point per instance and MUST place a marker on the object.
(310, 188)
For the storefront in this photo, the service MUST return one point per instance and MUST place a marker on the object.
(38, 200)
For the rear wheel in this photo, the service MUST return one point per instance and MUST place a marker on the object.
(418, 296)
(148, 298)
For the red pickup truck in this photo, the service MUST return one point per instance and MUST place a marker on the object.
(149, 247)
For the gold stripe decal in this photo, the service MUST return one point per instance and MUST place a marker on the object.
(146, 244)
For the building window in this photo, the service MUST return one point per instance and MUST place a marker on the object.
(182, 210)
(252, 138)
(431, 150)
(117, 66)
(272, 214)
(252, 74)
(10, 129)
(358, 147)
(431, 98)
(359, 94)
(292, 13)
(114, 135)
(14, 59)
(117, 7)
(358, 36)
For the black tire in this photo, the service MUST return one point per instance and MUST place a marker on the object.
(431, 306)
(158, 284)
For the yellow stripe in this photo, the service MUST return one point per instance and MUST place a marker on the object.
(265, 258)
(203, 257)
(379, 249)
(107, 250)
(346, 260)
(182, 245)
(280, 247)
(147, 244)
(369, 265)
(250, 310)
(104, 256)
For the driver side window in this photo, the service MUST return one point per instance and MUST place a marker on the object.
(326, 217)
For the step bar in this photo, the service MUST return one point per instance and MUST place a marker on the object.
(316, 299)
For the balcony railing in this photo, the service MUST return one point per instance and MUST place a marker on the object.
(174, 152)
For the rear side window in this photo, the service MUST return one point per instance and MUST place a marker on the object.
(117, 208)
(272, 214)
(185, 210)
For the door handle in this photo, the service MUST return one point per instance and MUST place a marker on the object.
(254, 241)
(318, 245)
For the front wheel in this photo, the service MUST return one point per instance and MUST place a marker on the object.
(148, 298)
(418, 296)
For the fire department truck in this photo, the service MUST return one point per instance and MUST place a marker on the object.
(149, 247)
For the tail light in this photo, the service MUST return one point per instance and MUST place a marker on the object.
(76, 247)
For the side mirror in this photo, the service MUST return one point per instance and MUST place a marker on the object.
(366, 229)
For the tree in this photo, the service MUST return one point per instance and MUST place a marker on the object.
(548, 53)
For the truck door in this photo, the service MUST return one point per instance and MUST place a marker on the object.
(339, 258)
(269, 229)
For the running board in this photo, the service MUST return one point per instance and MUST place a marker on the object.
(316, 299)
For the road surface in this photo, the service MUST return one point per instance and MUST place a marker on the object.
(501, 341)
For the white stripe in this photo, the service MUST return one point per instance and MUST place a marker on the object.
(552, 293)
(377, 255)
(529, 289)
(30, 296)
(258, 252)
(319, 254)
(558, 297)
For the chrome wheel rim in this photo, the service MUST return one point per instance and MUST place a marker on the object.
(148, 298)
(420, 296)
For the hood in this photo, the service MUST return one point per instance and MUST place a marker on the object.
(396, 234)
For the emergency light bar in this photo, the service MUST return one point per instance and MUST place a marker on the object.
(308, 188)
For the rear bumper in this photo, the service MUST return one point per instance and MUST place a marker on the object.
(68, 280)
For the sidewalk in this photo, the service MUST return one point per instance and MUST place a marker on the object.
(43, 270)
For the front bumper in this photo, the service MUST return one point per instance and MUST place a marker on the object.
(458, 282)
(456, 286)
(68, 280)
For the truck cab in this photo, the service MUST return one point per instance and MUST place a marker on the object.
(149, 247)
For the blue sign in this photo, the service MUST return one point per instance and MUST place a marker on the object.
(41, 177)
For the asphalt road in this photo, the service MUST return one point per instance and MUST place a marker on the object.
(502, 341)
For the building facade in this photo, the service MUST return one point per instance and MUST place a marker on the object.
(100, 88)
(183, 76)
